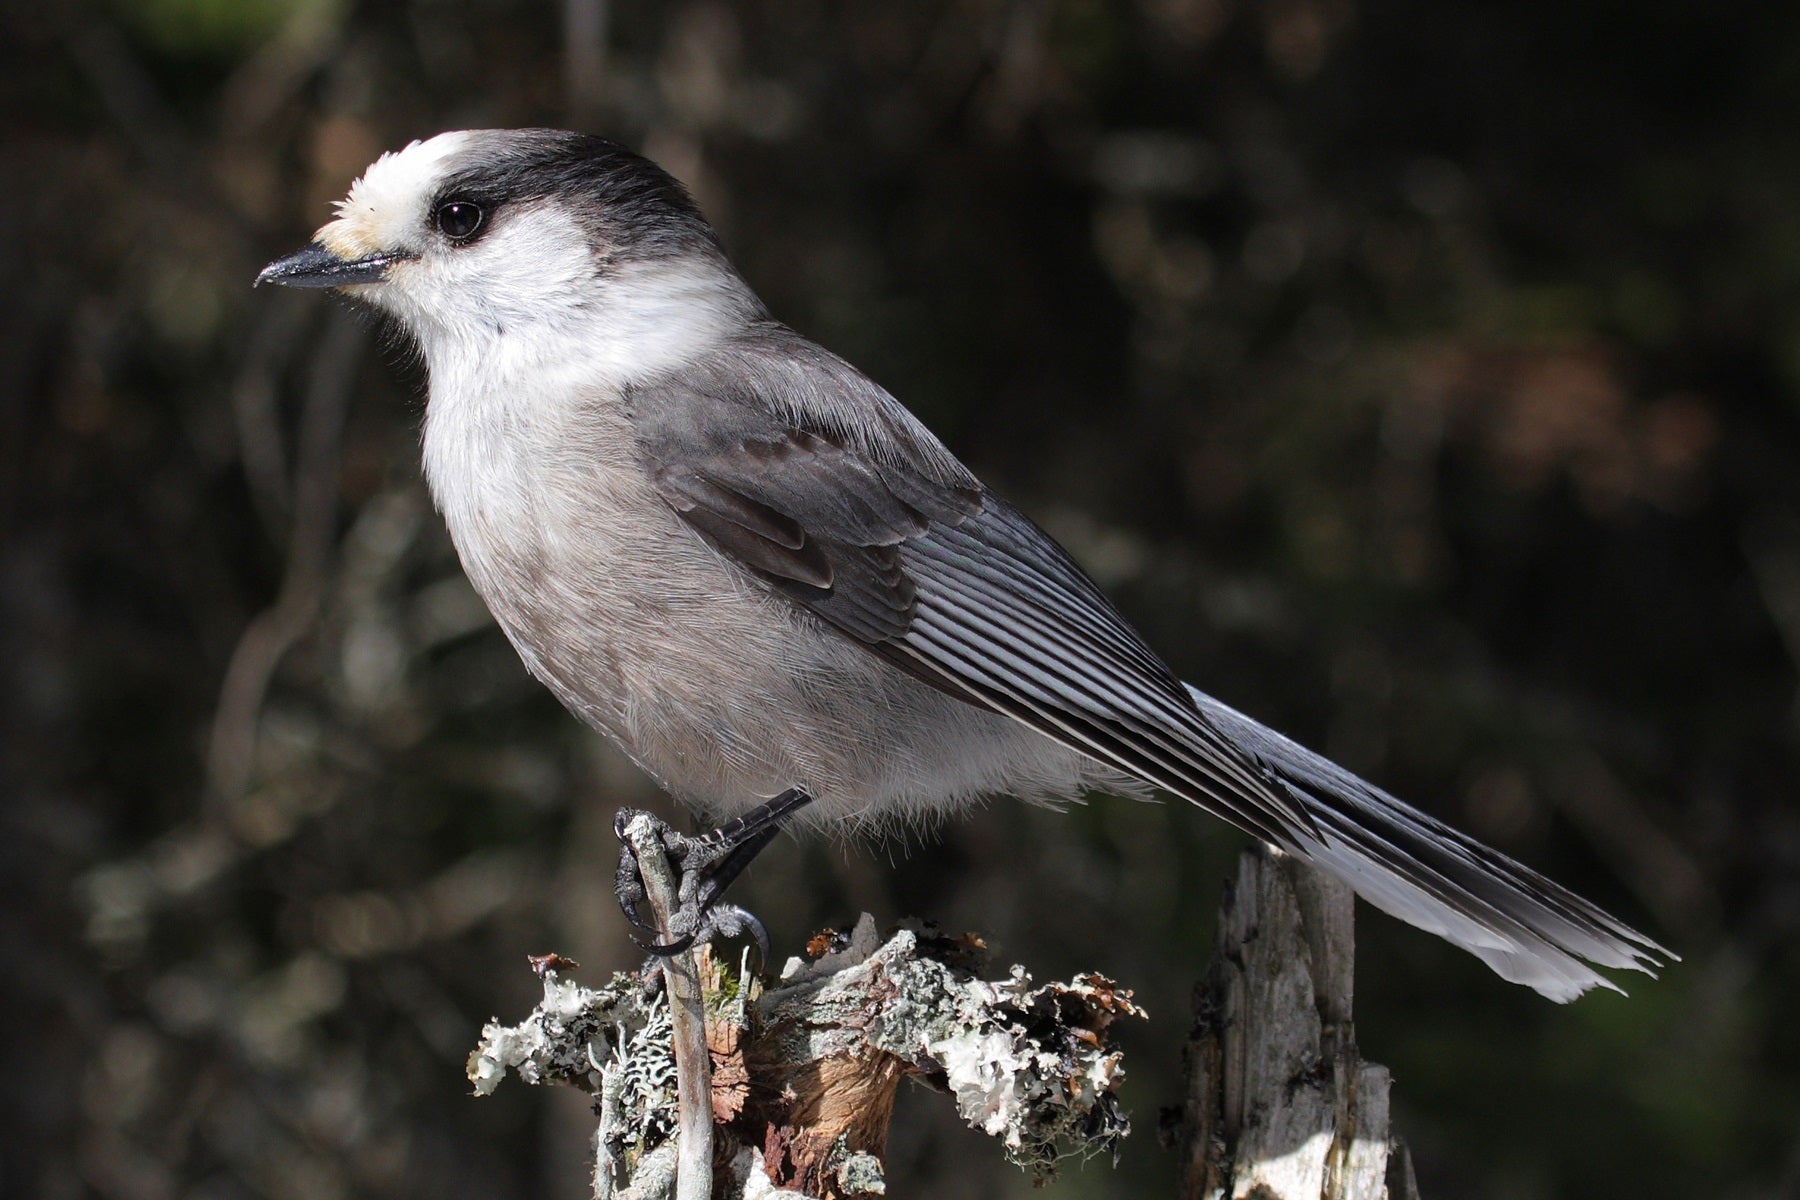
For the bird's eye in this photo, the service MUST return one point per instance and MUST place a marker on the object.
(458, 219)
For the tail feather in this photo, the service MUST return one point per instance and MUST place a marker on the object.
(1413, 866)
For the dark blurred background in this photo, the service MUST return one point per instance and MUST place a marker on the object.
(1424, 378)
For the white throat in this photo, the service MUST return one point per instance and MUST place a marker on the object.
(508, 399)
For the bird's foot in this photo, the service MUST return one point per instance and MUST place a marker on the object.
(705, 865)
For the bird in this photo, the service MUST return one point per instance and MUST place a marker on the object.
(780, 593)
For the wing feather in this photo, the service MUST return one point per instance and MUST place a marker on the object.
(972, 599)
(823, 487)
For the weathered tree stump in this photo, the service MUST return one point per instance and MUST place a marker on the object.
(1279, 1104)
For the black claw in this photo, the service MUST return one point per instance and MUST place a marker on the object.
(731, 920)
(707, 865)
(666, 949)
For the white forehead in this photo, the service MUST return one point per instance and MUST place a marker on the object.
(385, 204)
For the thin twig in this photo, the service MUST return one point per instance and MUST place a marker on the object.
(147, 122)
(267, 639)
(681, 975)
(275, 334)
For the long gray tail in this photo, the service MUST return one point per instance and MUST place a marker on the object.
(1408, 864)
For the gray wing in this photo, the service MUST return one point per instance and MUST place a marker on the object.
(865, 521)
(817, 482)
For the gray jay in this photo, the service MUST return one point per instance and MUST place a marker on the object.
(767, 581)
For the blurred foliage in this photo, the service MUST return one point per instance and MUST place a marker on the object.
(1424, 378)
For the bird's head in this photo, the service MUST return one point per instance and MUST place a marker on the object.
(503, 241)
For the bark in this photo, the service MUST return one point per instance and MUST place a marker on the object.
(687, 1018)
(805, 1070)
(1279, 1105)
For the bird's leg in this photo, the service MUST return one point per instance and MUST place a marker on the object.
(706, 864)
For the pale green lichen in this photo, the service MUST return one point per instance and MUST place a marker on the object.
(859, 1174)
(613, 1041)
(1031, 1066)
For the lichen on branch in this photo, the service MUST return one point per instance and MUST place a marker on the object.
(806, 1067)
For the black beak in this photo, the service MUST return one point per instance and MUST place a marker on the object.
(313, 266)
